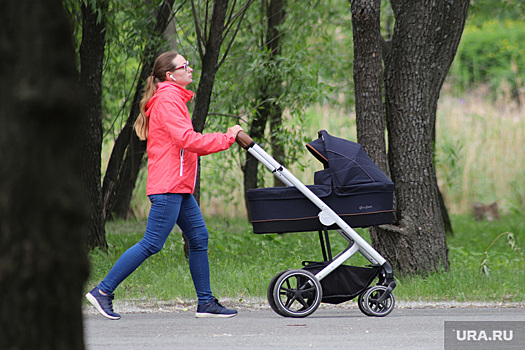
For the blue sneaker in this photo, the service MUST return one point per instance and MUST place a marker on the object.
(214, 309)
(103, 303)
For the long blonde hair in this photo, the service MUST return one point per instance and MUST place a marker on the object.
(163, 64)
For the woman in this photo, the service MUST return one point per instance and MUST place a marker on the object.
(173, 148)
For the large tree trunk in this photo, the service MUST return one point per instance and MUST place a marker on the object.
(368, 80)
(91, 61)
(126, 157)
(44, 210)
(424, 43)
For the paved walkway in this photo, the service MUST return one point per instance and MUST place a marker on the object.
(261, 328)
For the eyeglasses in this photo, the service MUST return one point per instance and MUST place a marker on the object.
(186, 66)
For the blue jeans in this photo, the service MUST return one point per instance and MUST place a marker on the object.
(166, 210)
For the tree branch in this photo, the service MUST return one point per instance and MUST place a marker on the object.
(239, 15)
(198, 31)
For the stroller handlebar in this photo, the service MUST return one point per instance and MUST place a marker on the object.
(244, 140)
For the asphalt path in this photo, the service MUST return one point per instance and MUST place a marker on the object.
(260, 328)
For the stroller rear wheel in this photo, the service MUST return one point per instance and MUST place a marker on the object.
(370, 304)
(296, 293)
(269, 293)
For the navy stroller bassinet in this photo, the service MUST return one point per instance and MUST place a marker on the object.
(351, 184)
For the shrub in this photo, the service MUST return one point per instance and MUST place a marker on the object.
(492, 54)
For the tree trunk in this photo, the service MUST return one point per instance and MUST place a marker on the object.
(251, 164)
(91, 61)
(424, 43)
(368, 80)
(269, 111)
(44, 210)
(276, 17)
(126, 157)
(210, 66)
(368, 83)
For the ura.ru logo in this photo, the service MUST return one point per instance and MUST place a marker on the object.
(481, 335)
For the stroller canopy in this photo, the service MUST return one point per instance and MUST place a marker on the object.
(346, 163)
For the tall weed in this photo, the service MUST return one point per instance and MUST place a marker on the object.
(480, 151)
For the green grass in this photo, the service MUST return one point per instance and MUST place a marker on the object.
(243, 263)
(475, 245)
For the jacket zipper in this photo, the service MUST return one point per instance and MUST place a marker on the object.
(181, 161)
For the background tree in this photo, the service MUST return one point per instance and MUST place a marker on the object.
(127, 153)
(424, 43)
(126, 158)
(43, 206)
(91, 52)
(285, 60)
(268, 110)
(216, 26)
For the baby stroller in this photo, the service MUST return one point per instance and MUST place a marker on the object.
(351, 190)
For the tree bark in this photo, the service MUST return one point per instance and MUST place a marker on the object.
(368, 83)
(269, 110)
(91, 61)
(368, 80)
(44, 209)
(424, 43)
(251, 164)
(210, 59)
(276, 17)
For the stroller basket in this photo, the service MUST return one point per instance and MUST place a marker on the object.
(344, 283)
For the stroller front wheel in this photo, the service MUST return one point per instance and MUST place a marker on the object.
(370, 302)
(361, 303)
(297, 293)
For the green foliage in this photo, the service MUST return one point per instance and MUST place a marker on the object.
(130, 28)
(486, 10)
(450, 162)
(514, 248)
(493, 54)
(313, 67)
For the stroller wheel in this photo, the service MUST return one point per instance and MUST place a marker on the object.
(297, 293)
(269, 293)
(361, 303)
(370, 304)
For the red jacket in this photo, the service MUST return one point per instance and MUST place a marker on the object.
(173, 145)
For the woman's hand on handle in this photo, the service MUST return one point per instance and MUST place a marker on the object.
(244, 140)
(234, 130)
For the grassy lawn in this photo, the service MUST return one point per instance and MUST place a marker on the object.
(486, 258)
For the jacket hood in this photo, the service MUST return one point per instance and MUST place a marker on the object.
(169, 88)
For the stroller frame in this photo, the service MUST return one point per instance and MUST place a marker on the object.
(303, 286)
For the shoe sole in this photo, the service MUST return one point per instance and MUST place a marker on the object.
(209, 315)
(97, 306)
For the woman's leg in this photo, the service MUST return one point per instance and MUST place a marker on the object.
(192, 225)
(161, 220)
